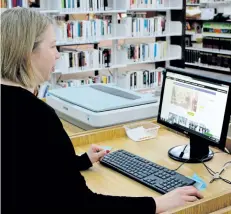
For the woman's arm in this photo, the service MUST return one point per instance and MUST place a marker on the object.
(73, 188)
(83, 162)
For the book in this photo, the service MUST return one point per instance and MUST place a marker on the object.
(140, 79)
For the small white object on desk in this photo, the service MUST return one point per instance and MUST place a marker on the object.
(142, 131)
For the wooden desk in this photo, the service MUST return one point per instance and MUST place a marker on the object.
(73, 130)
(226, 210)
(106, 181)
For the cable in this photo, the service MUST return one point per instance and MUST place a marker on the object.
(180, 165)
(216, 175)
(229, 162)
(225, 180)
(182, 153)
(196, 159)
(211, 172)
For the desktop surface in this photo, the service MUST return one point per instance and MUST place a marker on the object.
(106, 181)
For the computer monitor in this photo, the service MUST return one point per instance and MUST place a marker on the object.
(199, 107)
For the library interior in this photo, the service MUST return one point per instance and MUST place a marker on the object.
(116, 106)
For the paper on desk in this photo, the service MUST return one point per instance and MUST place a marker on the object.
(138, 134)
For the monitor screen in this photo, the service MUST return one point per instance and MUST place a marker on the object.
(195, 105)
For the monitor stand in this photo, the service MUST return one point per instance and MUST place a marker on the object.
(195, 152)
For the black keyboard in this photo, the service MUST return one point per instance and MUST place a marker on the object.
(150, 174)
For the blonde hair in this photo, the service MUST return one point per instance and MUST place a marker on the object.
(21, 33)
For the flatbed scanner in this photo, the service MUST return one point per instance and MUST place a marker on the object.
(100, 105)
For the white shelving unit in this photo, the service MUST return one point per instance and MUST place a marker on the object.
(119, 6)
(209, 50)
(220, 35)
(75, 71)
(46, 11)
(209, 2)
(91, 12)
(177, 32)
(209, 66)
(215, 2)
(119, 32)
(223, 7)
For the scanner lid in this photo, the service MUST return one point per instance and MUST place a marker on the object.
(102, 97)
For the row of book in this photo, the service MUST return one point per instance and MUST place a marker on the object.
(102, 28)
(81, 60)
(217, 43)
(13, 3)
(78, 5)
(216, 60)
(90, 5)
(140, 79)
(141, 26)
(103, 5)
(210, 59)
(84, 30)
(77, 61)
(134, 80)
(146, 52)
(217, 28)
(147, 3)
(86, 81)
(209, 27)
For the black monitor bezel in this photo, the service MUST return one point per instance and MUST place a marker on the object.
(188, 133)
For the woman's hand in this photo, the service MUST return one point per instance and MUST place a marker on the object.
(95, 153)
(176, 198)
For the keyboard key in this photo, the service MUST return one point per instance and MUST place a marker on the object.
(159, 186)
(173, 173)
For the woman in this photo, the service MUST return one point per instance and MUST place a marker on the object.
(41, 168)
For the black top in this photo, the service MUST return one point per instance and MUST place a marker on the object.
(40, 170)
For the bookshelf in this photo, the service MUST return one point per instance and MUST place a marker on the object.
(209, 67)
(214, 2)
(209, 50)
(149, 33)
(208, 35)
(119, 32)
